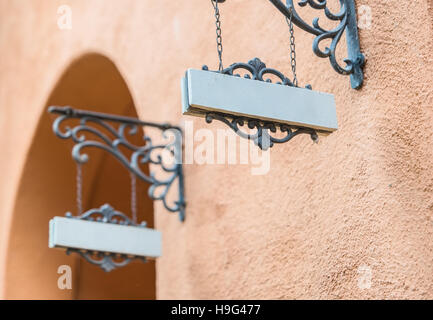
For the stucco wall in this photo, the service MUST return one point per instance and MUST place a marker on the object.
(362, 196)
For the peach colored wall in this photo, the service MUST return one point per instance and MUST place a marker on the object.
(361, 196)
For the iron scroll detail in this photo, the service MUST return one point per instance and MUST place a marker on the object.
(107, 137)
(347, 23)
(263, 138)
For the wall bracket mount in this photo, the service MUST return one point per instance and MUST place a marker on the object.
(347, 23)
(97, 130)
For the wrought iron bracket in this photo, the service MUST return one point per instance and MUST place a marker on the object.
(257, 70)
(262, 138)
(347, 22)
(96, 130)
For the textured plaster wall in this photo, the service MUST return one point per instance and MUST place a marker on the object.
(362, 196)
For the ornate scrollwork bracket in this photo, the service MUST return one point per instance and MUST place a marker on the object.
(347, 22)
(257, 70)
(96, 130)
(108, 261)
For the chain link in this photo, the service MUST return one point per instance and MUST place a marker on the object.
(219, 39)
(134, 197)
(292, 48)
(79, 180)
(79, 190)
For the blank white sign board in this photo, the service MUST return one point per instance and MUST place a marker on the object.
(206, 91)
(104, 237)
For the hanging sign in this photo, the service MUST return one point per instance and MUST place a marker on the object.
(104, 237)
(206, 91)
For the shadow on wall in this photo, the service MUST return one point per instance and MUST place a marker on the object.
(47, 189)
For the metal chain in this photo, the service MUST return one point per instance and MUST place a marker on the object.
(134, 197)
(219, 39)
(292, 48)
(79, 190)
(80, 193)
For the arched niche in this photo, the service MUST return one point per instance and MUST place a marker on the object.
(47, 189)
